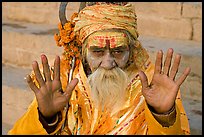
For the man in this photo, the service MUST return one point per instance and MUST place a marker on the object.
(115, 90)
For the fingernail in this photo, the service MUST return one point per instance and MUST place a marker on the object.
(170, 49)
(43, 56)
(178, 55)
(34, 62)
(57, 57)
(189, 69)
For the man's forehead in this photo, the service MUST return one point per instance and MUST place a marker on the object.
(112, 39)
(123, 47)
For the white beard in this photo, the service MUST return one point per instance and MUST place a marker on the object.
(108, 88)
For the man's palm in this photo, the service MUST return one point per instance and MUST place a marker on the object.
(163, 89)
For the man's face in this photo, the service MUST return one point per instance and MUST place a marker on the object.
(107, 50)
(107, 55)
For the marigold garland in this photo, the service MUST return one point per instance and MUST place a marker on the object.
(66, 38)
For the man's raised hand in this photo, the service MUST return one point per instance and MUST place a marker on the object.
(162, 91)
(49, 95)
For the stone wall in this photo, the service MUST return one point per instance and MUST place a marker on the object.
(176, 20)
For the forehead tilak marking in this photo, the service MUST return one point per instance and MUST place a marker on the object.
(107, 40)
(107, 43)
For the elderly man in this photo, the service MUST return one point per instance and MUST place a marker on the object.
(116, 89)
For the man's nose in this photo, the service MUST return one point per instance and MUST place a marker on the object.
(108, 62)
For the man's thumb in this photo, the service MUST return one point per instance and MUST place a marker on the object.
(143, 79)
(71, 87)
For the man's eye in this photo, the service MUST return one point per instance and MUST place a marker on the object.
(117, 52)
(98, 52)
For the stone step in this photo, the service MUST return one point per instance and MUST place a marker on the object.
(15, 102)
(25, 42)
(36, 12)
(16, 97)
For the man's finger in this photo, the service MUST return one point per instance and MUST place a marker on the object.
(31, 84)
(167, 63)
(158, 62)
(70, 87)
(181, 79)
(143, 79)
(57, 68)
(175, 66)
(46, 69)
(38, 74)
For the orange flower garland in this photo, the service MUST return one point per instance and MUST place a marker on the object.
(67, 39)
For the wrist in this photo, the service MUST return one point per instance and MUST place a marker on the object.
(161, 112)
(50, 124)
(166, 119)
(46, 114)
(49, 120)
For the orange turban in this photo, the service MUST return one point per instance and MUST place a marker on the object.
(100, 17)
